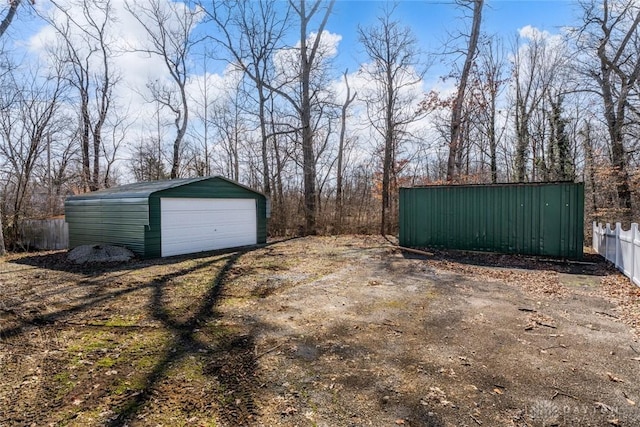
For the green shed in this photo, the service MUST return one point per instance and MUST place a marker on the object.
(172, 217)
(532, 219)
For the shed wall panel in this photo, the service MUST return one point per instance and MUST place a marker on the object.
(107, 221)
(534, 219)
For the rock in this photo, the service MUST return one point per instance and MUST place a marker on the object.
(99, 253)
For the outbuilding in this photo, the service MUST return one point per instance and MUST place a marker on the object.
(170, 217)
(528, 219)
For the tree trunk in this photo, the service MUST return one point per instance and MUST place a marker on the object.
(264, 137)
(456, 111)
(3, 250)
(6, 21)
(343, 130)
(84, 140)
(307, 59)
(591, 168)
(615, 122)
(522, 140)
(181, 125)
(493, 141)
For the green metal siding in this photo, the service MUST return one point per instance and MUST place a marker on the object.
(532, 219)
(112, 221)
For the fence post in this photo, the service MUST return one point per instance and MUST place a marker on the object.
(606, 242)
(618, 245)
(594, 237)
(601, 240)
(635, 252)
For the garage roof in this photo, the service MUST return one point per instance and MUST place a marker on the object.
(145, 189)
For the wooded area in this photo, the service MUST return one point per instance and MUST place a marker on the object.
(328, 147)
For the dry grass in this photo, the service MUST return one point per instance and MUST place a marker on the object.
(323, 330)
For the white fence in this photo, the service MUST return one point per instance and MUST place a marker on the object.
(44, 234)
(620, 247)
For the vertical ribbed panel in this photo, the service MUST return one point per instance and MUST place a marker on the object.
(533, 219)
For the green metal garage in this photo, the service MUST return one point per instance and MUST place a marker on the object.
(172, 217)
(532, 218)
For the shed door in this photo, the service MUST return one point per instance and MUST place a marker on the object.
(196, 225)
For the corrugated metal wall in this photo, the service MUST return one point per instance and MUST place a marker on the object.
(108, 221)
(532, 219)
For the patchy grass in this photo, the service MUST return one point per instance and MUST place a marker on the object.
(317, 331)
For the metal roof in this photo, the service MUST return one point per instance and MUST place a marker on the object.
(145, 189)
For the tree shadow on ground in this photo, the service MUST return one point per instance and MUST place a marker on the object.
(91, 279)
(58, 261)
(231, 361)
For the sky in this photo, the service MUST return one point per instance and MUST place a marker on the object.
(433, 22)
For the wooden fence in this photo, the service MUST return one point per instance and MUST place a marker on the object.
(621, 247)
(46, 234)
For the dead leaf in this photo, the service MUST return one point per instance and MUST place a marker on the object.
(614, 422)
(498, 391)
(400, 421)
(636, 358)
(603, 407)
(614, 378)
(289, 411)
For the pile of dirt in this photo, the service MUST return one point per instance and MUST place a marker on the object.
(99, 253)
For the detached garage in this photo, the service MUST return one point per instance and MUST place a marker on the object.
(173, 217)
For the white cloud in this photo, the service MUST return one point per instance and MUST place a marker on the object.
(134, 69)
(534, 34)
(287, 60)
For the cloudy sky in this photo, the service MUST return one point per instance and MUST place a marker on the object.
(433, 22)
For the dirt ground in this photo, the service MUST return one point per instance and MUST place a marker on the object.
(319, 331)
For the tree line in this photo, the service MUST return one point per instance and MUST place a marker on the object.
(329, 147)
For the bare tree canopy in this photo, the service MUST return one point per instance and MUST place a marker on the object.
(98, 93)
(391, 101)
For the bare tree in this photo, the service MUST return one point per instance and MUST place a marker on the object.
(145, 163)
(170, 30)
(86, 50)
(252, 32)
(538, 65)
(349, 98)
(609, 41)
(231, 129)
(491, 69)
(559, 165)
(392, 98)
(308, 57)
(25, 132)
(457, 108)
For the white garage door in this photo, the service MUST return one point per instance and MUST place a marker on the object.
(196, 225)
